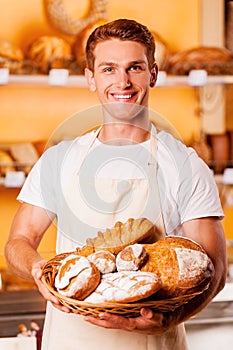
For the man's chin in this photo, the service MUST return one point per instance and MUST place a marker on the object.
(123, 110)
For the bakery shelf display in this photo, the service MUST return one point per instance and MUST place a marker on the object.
(58, 77)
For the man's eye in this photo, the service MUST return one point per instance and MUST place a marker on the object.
(108, 69)
(135, 68)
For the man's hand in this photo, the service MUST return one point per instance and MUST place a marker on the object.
(37, 275)
(148, 323)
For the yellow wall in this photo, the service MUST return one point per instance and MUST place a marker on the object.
(21, 22)
(32, 112)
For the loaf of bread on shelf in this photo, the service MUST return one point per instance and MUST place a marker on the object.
(123, 234)
(24, 153)
(11, 56)
(182, 264)
(125, 287)
(215, 60)
(80, 42)
(77, 277)
(162, 51)
(49, 52)
(6, 163)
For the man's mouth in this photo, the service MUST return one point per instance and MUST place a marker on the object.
(123, 97)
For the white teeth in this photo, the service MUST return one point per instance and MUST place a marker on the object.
(123, 96)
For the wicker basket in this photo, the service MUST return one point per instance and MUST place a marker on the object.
(129, 310)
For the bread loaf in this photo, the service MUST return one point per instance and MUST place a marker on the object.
(77, 277)
(11, 56)
(131, 258)
(124, 287)
(183, 266)
(103, 260)
(50, 52)
(6, 163)
(214, 60)
(124, 234)
(162, 51)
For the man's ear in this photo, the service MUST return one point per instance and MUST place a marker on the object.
(90, 79)
(154, 75)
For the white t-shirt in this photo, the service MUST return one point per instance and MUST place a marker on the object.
(186, 184)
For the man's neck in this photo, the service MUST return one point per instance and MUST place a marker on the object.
(124, 133)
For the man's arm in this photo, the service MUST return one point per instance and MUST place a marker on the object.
(28, 228)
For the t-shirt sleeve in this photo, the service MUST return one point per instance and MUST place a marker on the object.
(198, 194)
(39, 187)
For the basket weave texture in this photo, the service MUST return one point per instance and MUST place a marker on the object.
(50, 270)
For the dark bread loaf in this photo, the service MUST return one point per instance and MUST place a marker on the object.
(182, 264)
(215, 60)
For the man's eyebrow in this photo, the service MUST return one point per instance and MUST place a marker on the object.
(111, 64)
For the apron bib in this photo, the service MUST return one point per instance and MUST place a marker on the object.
(138, 198)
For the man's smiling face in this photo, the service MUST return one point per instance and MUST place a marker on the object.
(121, 74)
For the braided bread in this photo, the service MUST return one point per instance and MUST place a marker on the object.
(59, 18)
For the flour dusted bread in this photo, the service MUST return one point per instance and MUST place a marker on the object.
(77, 277)
(183, 266)
(104, 260)
(124, 234)
(131, 258)
(125, 287)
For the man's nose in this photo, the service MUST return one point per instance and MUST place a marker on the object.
(123, 80)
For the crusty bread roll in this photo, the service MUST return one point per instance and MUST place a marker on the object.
(131, 258)
(162, 51)
(183, 266)
(124, 234)
(124, 287)
(215, 60)
(11, 56)
(79, 47)
(77, 277)
(103, 260)
(50, 52)
(6, 163)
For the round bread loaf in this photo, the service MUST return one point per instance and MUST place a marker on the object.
(131, 258)
(182, 264)
(104, 261)
(124, 287)
(50, 52)
(77, 277)
(11, 57)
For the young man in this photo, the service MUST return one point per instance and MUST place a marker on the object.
(124, 169)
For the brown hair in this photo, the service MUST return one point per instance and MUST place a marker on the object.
(123, 29)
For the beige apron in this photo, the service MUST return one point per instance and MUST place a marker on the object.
(69, 331)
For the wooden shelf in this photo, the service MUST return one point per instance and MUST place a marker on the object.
(79, 81)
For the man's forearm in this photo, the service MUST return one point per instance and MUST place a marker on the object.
(196, 304)
(21, 256)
